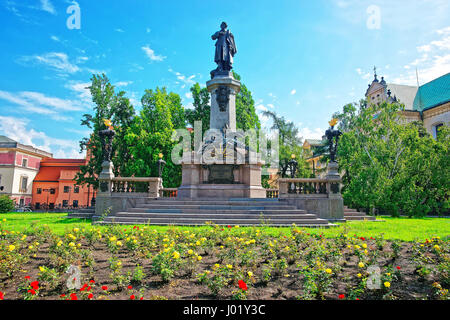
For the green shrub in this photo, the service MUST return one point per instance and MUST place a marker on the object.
(6, 204)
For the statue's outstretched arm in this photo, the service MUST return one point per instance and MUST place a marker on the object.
(215, 35)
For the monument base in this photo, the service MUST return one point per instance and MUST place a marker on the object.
(245, 183)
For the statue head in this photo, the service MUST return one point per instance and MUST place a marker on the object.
(223, 25)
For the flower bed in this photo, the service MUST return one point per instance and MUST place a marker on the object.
(138, 262)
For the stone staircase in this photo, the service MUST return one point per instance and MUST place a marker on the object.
(243, 212)
(87, 213)
(353, 214)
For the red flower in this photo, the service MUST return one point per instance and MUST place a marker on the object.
(27, 277)
(92, 281)
(32, 292)
(1, 295)
(142, 298)
(104, 288)
(90, 296)
(398, 267)
(35, 285)
(341, 296)
(73, 296)
(62, 296)
(130, 287)
(229, 226)
(132, 297)
(242, 285)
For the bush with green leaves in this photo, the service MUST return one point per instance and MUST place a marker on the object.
(6, 204)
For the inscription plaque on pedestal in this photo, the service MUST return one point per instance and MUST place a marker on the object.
(221, 174)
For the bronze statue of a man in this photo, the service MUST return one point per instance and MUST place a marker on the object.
(225, 50)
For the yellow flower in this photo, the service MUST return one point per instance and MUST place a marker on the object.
(388, 274)
(229, 266)
(366, 252)
(436, 247)
(190, 251)
(364, 245)
(4, 220)
(42, 269)
(216, 266)
(78, 245)
(30, 247)
(328, 271)
(11, 247)
(250, 274)
(119, 263)
(387, 284)
(59, 244)
(76, 229)
(119, 243)
(71, 244)
(23, 237)
(199, 258)
(359, 275)
(112, 239)
(361, 265)
(176, 254)
(357, 247)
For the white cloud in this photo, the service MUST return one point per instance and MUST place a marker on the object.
(47, 6)
(119, 30)
(188, 95)
(58, 61)
(19, 129)
(183, 78)
(293, 91)
(151, 54)
(36, 102)
(307, 133)
(433, 62)
(123, 83)
(148, 30)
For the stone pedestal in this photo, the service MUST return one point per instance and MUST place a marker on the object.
(103, 200)
(223, 92)
(336, 202)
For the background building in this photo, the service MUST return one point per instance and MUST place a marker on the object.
(54, 185)
(19, 165)
(428, 103)
(312, 149)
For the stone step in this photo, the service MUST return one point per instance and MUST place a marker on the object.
(354, 218)
(215, 207)
(214, 216)
(213, 202)
(212, 211)
(199, 221)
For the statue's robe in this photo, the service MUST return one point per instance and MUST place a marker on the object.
(225, 49)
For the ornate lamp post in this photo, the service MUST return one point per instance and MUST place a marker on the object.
(332, 172)
(107, 174)
(333, 138)
(161, 164)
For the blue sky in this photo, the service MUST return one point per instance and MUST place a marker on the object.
(303, 59)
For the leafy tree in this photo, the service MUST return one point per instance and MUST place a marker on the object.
(117, 108)
(392, 166)
(151, 134)
(289, 143)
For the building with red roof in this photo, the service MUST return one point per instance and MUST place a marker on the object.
(55, 185)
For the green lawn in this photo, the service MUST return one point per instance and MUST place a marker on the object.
(405, 229)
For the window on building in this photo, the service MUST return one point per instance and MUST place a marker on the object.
(76, 189)
(52, 191)
(75, 203)
(39, 190)
(21, 202)
(437, 129)
(65, 203)
(24, 162)
(66, 189)
(23, 184)
(51, 206)
(37, 205)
